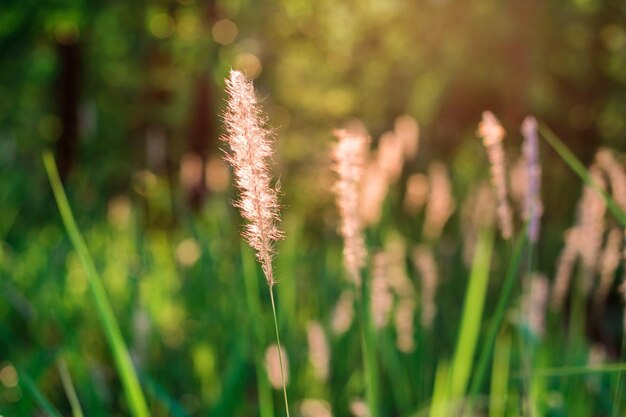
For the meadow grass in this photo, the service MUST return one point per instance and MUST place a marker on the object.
(198, 326)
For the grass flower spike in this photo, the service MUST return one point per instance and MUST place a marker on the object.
(532, 208)
(492, 133)
(350, 156)
(251, 149)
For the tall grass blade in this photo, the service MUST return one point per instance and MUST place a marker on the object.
(68, 386)
(500, 376)
(580, 170)
(43, 402)
(368, 347)
(472, 315)
(440, 400)
(574, 370)
(498, 315)
(160, 394)
(130, 383)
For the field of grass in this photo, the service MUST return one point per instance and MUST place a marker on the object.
(113, 313)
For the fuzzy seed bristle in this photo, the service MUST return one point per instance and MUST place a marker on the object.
(250, 152)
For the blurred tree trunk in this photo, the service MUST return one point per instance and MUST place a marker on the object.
(202, 131)
(67, 100)
(202, 134)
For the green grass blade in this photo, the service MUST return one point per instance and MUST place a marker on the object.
(132, 390)
(368, 348)
(68, 386)
(498, 316)
(580, 170)
(43, 402)
(500, 376)
(574, 370)
(173, 407)
(472, 315)
(440, 400)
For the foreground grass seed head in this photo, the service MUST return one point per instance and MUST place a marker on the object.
(250, 152)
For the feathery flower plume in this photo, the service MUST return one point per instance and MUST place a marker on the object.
(343, 313)
(397, 278)
(390, 156)
(416, 193)
(616, 174)
(404, 325)
(319, 352)
(315, 408)
(518, 180)
(564, 268)
(273, 356)
(385, 166)
(440, 202)
(532, 207)
(373, 193)
(608, 265)
(349, 156)
(424, 262)
(359, 408)
(382, 298)
(591, 210)
(407, 130)
(583, 240)
(492, 133)
(251, 150)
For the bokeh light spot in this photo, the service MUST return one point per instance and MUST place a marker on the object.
(119, 211)
(161, 25)
(613, 37)
(8, 375)
(188, 27)
(224, 31)
(188, 252)
(339, 102)
(249, 64)
(217, 175)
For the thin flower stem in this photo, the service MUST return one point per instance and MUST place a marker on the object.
(280, 355)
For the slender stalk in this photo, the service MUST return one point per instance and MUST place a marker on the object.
(368, 349)
(38, 396)
(280, 355)
(580, 170)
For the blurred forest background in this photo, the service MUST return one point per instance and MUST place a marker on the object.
(128, 96)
